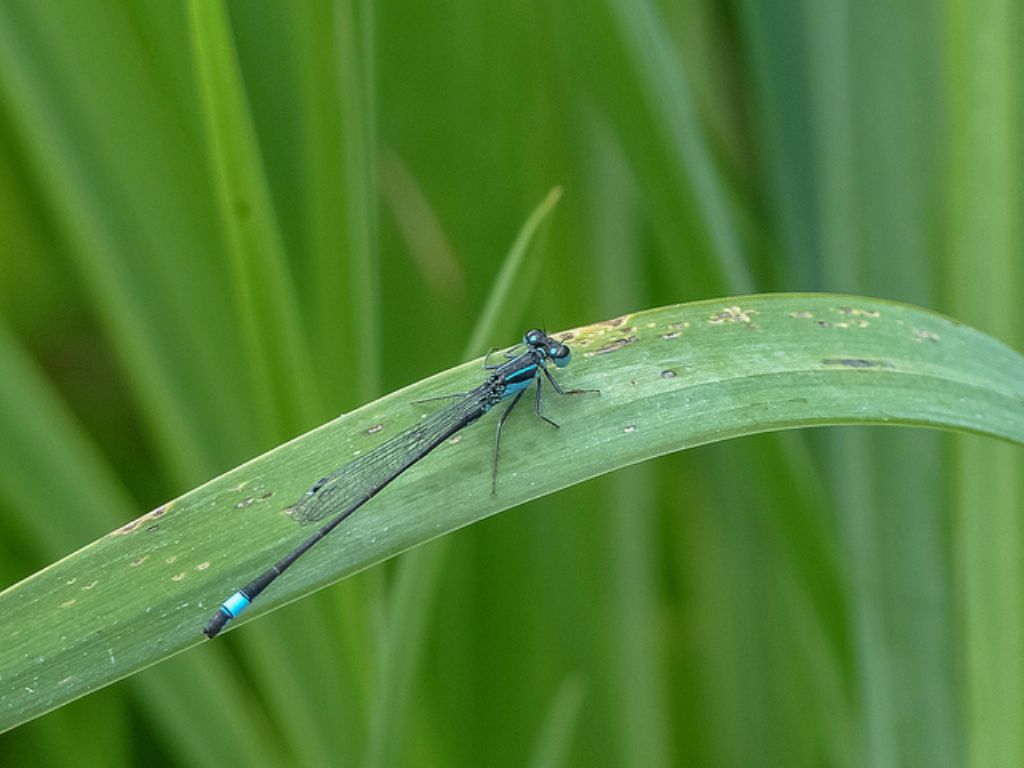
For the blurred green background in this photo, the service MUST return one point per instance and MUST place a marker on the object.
(221, 225)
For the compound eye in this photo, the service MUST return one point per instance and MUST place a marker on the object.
(534, 337)
(561, 354)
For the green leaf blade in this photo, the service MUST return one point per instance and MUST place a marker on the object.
(670, 378)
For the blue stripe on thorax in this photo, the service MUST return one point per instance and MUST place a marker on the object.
(522, 375)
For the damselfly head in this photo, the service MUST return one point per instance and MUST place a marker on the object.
(535, 338)
(559, 353)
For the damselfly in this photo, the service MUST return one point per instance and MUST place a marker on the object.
(345, 490)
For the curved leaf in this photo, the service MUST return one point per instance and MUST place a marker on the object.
(670, 378)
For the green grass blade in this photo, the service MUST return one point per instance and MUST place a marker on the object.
(655, 61)
(31, 413)
(43, 477)
(670, 378)
(554, 740)
(515, 270)
(418, 576)
(354, 25)
(134, 221)
(265, 299)
(986, 281)
(652, 110)
(313, 118)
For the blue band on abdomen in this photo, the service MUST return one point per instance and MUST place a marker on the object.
(235, 604)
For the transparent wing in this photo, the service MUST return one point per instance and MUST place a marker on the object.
(354, 483)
